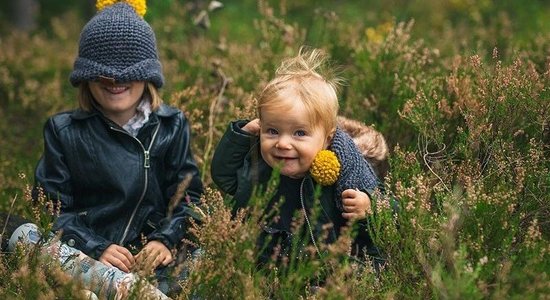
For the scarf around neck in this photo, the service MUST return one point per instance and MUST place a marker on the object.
(355, 171)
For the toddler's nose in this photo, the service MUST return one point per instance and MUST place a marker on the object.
(283, 144)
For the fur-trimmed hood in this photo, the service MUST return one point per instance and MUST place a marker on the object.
(370, 142)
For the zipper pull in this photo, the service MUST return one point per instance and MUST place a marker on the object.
(146, 164)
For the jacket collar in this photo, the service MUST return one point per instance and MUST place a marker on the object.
(163, 111)
(166, 111)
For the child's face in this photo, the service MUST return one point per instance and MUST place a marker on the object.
(118, 101)
(289, 141)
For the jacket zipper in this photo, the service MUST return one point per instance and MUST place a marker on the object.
(146, 166)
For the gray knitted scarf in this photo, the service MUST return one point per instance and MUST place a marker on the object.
(355, 171)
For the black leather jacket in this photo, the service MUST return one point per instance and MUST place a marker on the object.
(114, 188)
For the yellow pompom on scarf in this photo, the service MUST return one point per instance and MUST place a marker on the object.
(325, 168)
(139, 6)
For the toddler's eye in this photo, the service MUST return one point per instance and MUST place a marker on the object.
(271, 131)
(300, 133)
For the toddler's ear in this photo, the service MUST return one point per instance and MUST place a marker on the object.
(329, 138)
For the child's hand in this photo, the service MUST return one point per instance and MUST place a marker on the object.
(252, 127)
(117, 256)
(356, 204)
(154, 254)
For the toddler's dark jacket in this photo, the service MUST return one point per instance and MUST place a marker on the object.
(113, 187)
(237, 168)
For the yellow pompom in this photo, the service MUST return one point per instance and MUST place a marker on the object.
(139, 5)
(325, 168)
(101, 4)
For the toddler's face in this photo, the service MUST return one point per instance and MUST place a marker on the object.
(117, 101)
(289, 141)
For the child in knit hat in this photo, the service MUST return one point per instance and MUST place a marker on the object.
(297, 135)
(114, 164)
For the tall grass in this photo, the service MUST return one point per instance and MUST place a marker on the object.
(466, 112)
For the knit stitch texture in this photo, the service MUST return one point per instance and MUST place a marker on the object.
(355, 171)
(117, 43)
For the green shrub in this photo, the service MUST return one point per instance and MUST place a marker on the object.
(458, 88)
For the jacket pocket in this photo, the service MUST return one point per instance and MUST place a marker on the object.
(152, 223)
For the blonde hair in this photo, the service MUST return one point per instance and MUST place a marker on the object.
(302, 75)
(85, 98)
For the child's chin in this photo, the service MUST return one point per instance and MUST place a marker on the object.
(293, 175)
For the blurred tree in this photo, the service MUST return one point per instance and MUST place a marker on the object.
(25, 13)
(29, 15)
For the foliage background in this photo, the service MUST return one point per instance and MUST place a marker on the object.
(459, 88)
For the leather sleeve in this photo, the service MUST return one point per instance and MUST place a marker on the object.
(180, 166)
(53, 180)
(229, 156)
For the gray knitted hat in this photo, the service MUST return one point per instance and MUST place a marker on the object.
(355, 171)
(117, 43)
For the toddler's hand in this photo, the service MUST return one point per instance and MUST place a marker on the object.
(154, 254)
(118, 256)
(356, 204)
(252, 127)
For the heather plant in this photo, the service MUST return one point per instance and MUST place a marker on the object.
(29, 273)
(460, 92)
(476, 204)
(227, 266)
(388, 68)
(32, 85)
(227, 261)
